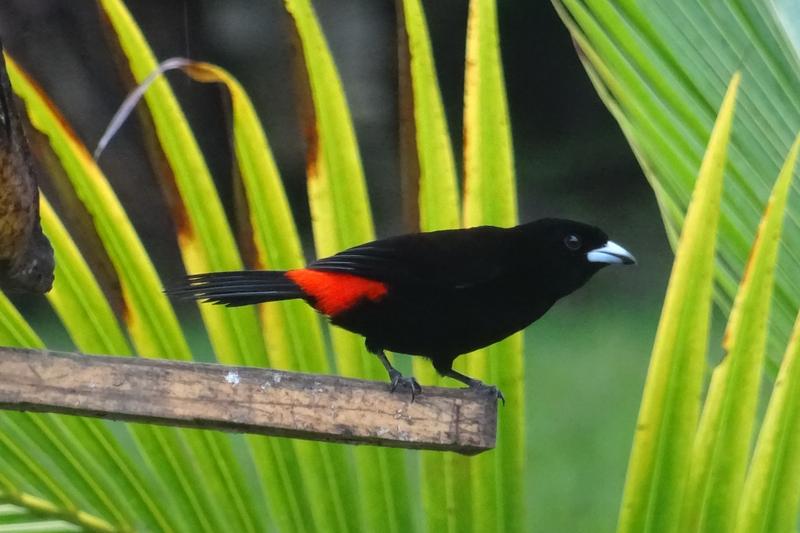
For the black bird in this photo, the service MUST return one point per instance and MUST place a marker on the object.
(439, 294)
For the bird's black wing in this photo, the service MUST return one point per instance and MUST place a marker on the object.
(449, 259)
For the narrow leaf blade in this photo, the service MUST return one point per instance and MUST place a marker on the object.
(294, 335)
(341, 218)
(431, 166)
(490, 198)
(724, 436)
(670, 407)
(772, 490)
(150, 319)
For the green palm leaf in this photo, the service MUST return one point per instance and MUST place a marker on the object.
(659, 67)
(294, 335)
(24, 478)
(430, 156)
(208, 244)
(105, 476)
(341, 218)
(722, 445)
(151, 322)
(662, 65)
(771, 494)
(490, 198)
(670, 404)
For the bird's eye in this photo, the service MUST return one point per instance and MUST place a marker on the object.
(572, 242)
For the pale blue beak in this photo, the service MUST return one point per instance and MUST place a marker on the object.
(611, 253)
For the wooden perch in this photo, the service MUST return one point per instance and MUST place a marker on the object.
(244, 399)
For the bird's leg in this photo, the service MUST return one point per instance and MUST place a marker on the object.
(472, 383)
(394, 375)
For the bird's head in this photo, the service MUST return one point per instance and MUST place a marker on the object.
(568, 253)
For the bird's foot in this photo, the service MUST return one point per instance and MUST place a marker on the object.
(491, 390)
(409, 382)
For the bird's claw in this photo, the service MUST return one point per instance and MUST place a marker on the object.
(491, 390)
(409, 382)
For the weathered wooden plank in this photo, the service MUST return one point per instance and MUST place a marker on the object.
(243, 399)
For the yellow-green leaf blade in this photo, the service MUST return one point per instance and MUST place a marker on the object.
(17, 463)
(77, 297)
(207, 244)
(772, 490)
(335, 175)
(771, 494)
(47, 463)
(162, 447)
(294, 335)
(153, 325)
(670, 406)
(275, 233)
(149, 316)
(489, 180)
(205, 237)
(671, 61)
(430, 158)
(22, 463)
(341, 218)
(87, 316)
(725, 433)
(83, 449)
(438, 191)
(14, 329)
(490, 198)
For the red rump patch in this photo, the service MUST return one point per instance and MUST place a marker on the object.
(334, 292)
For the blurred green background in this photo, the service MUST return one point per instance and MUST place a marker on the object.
(586, 359)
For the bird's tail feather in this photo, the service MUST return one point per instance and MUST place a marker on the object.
(238, 288)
